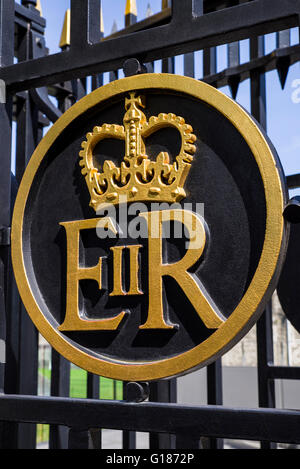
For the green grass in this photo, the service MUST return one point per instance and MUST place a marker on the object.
(42, 433)
(45, 372)
(108, 389)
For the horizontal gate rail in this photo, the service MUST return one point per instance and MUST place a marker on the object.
(283, 372)
(196, 32)
(210, 421)
(293, 181)
(266, 63)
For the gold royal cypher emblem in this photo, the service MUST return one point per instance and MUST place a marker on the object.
(139, 179)
(136, 272)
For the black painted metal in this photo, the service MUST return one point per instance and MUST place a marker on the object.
(216, 421)
(60, 386)
(6, 58)
(202, 26)
(292, 210)
(215, 394)
(266, 386)
(164, 391)
(129, 437)
(220, 27)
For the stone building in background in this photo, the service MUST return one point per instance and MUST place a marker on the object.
(286, 343)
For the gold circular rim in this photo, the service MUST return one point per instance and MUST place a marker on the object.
(249, 308)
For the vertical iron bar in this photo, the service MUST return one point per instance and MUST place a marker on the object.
(28, 334)
(191, 8)
(93, 383)
(95, 33)
(12, 352)
(163, 391)
(233, 59)
(97, 80)
(233, 48)
(215, 394)
(78, 439)
(60, 367)
(7, 15)
(283, 39)
(214, 371)
(95, 438)
(85, 23)
(209, 61)
(93, 389)
(187, 442)
(94, 21)
(189, 65)
(167, 65)
(6, 58)
(129, 437)
(28, 134)
(266, 387)
(60, 386)
(149, 66)
(258, 83)
(114, 74)
(233, 56)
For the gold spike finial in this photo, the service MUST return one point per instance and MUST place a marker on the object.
(130, 13)
(65, 39)
(165, 4)
(131, 8)
(39, 7)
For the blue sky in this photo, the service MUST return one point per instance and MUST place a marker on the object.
(283, 114)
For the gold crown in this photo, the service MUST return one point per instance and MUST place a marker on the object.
(138, 178)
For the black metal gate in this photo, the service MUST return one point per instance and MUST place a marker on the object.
(31, 76)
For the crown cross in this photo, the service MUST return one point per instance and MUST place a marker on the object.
(134, 121)
(138, 178)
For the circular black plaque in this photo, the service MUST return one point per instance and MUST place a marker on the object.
(235, 179)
